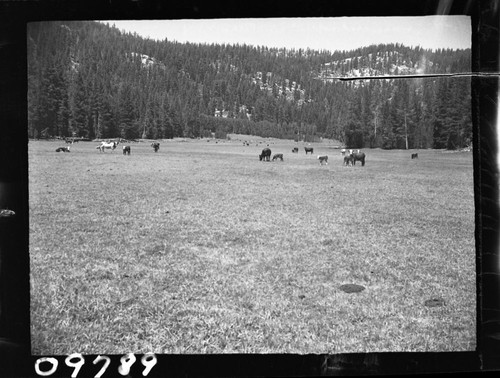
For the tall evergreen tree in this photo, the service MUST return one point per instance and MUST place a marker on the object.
(127, 121)
(78, 107)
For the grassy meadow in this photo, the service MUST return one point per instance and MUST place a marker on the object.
(202, 248)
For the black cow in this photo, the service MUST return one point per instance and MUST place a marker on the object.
(295, 150)
(126, 150)
(265, 155)
(323, 158)
(309, 149)
(156, 146)
(63, 149)
(358, 156)
(414, 156)
(348, 160)
(278, 156)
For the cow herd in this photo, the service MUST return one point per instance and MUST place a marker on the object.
(108, 145)
(349, 160)
(350, 156)
(265, 155)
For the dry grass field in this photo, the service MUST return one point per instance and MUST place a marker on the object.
(202, 248)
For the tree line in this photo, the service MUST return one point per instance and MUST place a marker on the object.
(90, 80)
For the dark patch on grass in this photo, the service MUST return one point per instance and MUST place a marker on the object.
(236, 240)
(205, 243)
(248, 306)
(328, 242)
(126, 302)
(134, 276)
(434, 302)
(156, 249)
(105, 276)
(352, 288)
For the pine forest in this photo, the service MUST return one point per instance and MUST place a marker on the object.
(92, 81)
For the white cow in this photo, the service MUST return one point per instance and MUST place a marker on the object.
(107, 145)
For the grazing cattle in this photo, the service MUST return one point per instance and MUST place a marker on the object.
(342, 151)
(414, 156)
(63, 149)
(278, 156)
(348, 160)
(156, 146)
(126, 150)
(265, 155)
(295, 150)
(309, 149)
(107, 145)
(70, 141)
(322, 159)
(358, 156)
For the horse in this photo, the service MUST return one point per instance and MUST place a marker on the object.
(358, 156)
(126, 150)
(414, 156)
(309, 149)
(265, 155)
(278, 156)
(156, 146)
(323, 158)
(348, 160)
(63, 149)
(107, 145)
(295, 150)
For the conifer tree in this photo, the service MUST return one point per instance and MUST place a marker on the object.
(127, 121)
(78, 107)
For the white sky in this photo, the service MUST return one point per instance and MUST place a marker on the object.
(329, 33)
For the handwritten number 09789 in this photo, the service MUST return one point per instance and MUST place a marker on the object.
(76, 361)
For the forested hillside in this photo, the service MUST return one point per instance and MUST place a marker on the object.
(89, 80)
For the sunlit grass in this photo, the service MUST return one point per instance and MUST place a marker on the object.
(201, 248)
